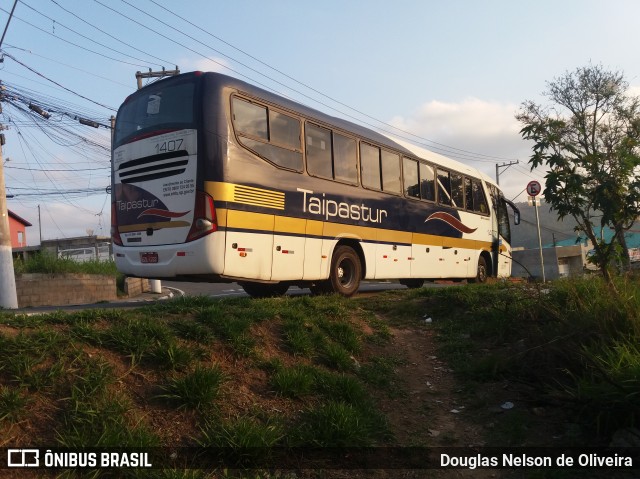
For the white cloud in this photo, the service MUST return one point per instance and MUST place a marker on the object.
(478, 126)
(214, 64)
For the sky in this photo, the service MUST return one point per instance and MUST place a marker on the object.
(450, 74)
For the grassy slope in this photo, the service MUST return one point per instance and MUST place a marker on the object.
(309, 370)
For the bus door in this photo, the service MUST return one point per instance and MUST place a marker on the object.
(502, 247)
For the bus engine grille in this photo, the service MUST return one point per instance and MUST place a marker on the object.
(153, 167)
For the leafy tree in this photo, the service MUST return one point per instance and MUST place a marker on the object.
(588, 138)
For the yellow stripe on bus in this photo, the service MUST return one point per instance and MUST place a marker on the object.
(287, 225)
(247, 195)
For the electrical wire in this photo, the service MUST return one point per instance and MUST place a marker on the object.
(72, 43)
(459, 155)
(113, 37)
(386, 124)
(58, 84)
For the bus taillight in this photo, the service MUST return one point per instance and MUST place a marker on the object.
(204, 218)
(115, 234)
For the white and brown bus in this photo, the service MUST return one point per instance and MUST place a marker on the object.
(216, 180)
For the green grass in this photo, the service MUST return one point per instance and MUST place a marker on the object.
(309, 371)
(243, 432)
(194, 390)
(339, 424)
(294, 382)
(575, 341)
(48, 263)
(12, 404)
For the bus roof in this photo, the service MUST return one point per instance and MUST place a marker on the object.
(219, 81)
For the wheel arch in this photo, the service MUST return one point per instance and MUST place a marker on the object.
(488, 261)
(357, 247)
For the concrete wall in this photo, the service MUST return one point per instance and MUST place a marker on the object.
(530, 258)
(136, 286)
(61, 289)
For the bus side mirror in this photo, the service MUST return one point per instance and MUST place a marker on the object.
(516, 211)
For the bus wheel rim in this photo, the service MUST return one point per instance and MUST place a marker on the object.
(345, 272)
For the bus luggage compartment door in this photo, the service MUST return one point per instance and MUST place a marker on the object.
(248, 246)
(288, 249)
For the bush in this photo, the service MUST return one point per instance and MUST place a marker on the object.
(47, 263)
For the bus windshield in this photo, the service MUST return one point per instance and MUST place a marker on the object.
(159, 107)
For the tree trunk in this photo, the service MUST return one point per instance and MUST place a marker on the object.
(626, 261)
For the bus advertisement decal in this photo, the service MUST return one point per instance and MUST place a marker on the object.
(162, 213)
(451, 221)
(133, 203)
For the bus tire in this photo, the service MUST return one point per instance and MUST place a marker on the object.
(345, 272)
(482, 272)
(412, 283)
(264, 290)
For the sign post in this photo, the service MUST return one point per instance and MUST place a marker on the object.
(533, 189)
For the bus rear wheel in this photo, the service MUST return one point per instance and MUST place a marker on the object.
(264, 290)
(346, 271)
(481, 273)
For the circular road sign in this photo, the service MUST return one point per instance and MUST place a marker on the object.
(534, 188)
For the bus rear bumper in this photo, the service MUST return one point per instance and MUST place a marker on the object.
(204, 256)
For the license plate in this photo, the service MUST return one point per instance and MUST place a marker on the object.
(148, 258)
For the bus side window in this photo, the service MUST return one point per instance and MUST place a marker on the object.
(250, 119)
(410, 174)
(444, 187)
(427, 182)
(479, 200)
(284, 130)
(318, 145)
(457, 190)
(272, 135)
(370, 165)
(468, 194)
(390, 172)
(345, 159)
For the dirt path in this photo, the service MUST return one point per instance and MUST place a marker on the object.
(431, 413)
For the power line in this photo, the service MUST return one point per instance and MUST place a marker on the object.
(58, 84)
(404, 131)
(460, 155)
(57, 170)
(109, 35)
(58, 62)
(56, 22)
(72, 43)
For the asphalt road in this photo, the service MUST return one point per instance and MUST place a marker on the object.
(221, 290)
(214, 290)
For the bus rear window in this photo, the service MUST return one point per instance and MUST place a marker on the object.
(166, 105)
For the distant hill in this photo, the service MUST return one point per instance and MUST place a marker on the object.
(526, 234)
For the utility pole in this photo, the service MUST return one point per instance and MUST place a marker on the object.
(8, 294)
(39, 225)
(150, 74)
(503, 165)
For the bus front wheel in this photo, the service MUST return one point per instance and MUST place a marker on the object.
(265, 290)
(481, 273)
(346, 271)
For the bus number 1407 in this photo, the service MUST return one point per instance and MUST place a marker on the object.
(171, 145)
